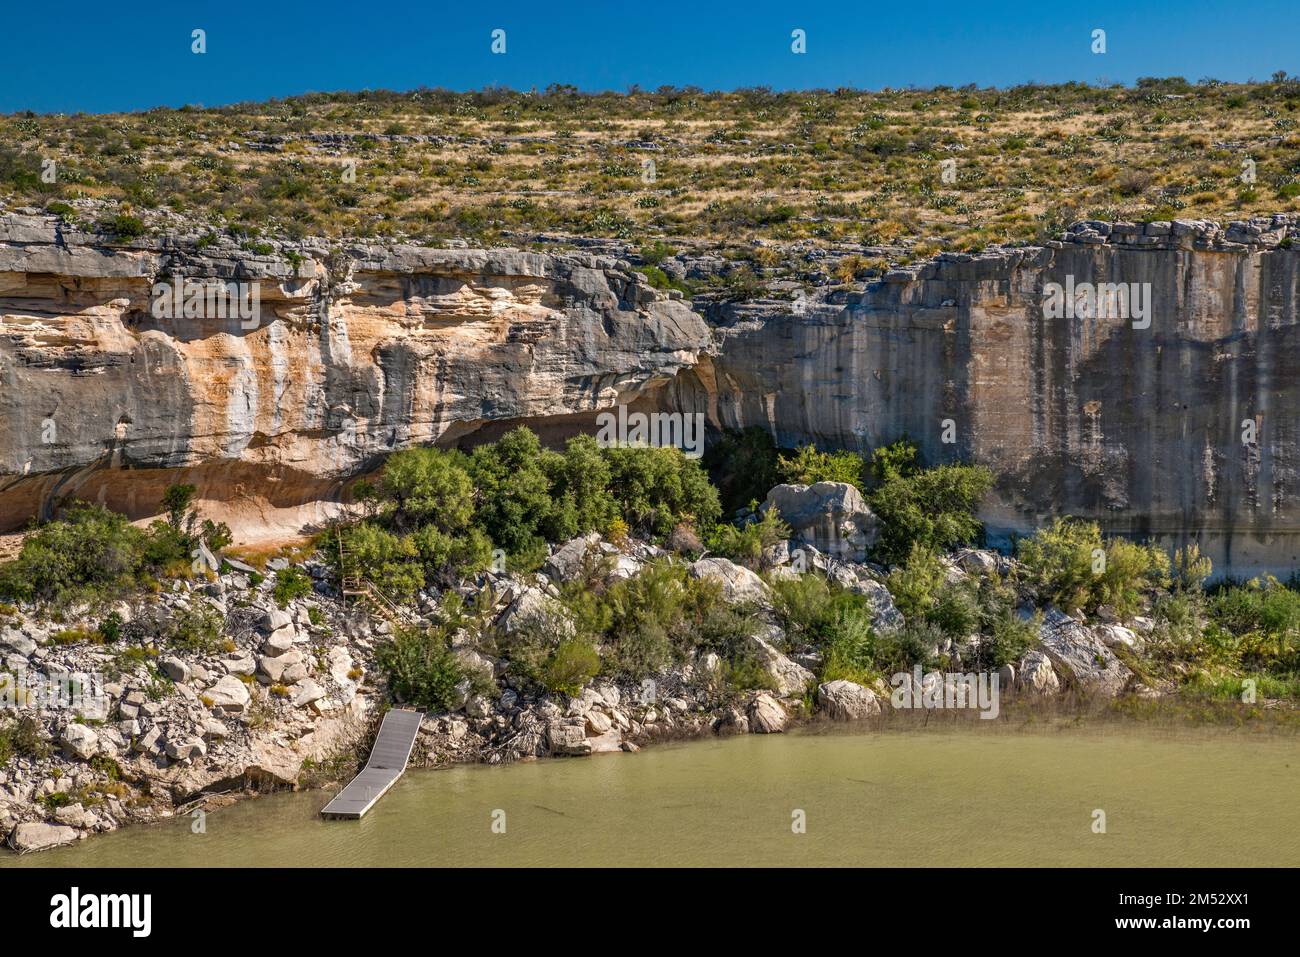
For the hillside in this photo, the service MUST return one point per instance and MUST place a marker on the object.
(729, 169)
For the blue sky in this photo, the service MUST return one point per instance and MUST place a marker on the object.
(97, 56)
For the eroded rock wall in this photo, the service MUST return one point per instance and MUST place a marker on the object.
(357, 351)
(1143, 429)
(364, 349)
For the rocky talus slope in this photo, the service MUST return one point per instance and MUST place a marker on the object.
(1181, 426)
(291, 696)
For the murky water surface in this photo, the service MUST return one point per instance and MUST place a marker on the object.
(907, 798)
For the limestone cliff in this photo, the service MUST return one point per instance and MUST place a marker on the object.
(1144, 425)
(358, 351)
(1145, 429)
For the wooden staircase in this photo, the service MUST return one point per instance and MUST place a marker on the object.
(358, 585)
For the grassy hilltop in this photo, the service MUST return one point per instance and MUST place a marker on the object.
(839, 166)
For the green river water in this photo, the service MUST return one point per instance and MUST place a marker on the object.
(915, 798)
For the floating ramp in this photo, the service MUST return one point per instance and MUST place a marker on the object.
(387, 762)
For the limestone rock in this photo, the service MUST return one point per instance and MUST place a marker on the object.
(831, 516)
(31, 836)
(789, 678)
(229, 694)
(80, 741)
(1080, 653)
(847, 701)
(738, 583)
(766, 716)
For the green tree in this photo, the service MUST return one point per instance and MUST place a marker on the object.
(808, 466)
(428, 486)
(934, 508)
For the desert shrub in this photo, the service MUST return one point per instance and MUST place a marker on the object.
(387, 559)
(571, 665)
(1070, 566)
(723, 628)
(421, 668)
(934, 507)
(89, 553)
(1010, 637)
(742, 466)
(916, 584)
(745, 672)
(122, 226)
(850, 648)
(1131, 569)
(808, 466)
(956, 610)
(746, 543)
(21, 737)
(197, 629)
(899, 459)
(1262, 608)
(661, 616)
(811, 609)
(915, 643)
(1190, 568)
(290, 583)
(110, 629)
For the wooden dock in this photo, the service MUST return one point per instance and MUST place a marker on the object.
(387, 762)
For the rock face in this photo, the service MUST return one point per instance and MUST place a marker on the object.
(1137, 428)
(830, 516)
(1081, 653)
(738, 583)
(357, 350)
(34, 836)
(847, 701)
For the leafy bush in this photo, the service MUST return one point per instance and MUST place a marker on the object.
(123, 226)
(658, 488)
(574, 662)
(514, 489)
(427, 487)
(1071, 567)
(851, 648)
(580, 499)
(1190, 568)
(916, 584)
(915, 643)
(1266, 608)
(198, 629)
(290, 583)
(746, 543)
(21, 737)
(89, 553)
(932, 507)
(110, 629)
(382, 557)
(808, 466)
(421, 668)
(1011, 637)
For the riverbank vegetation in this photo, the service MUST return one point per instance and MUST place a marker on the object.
(433, 520)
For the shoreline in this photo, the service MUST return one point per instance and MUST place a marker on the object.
(1028, 725)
